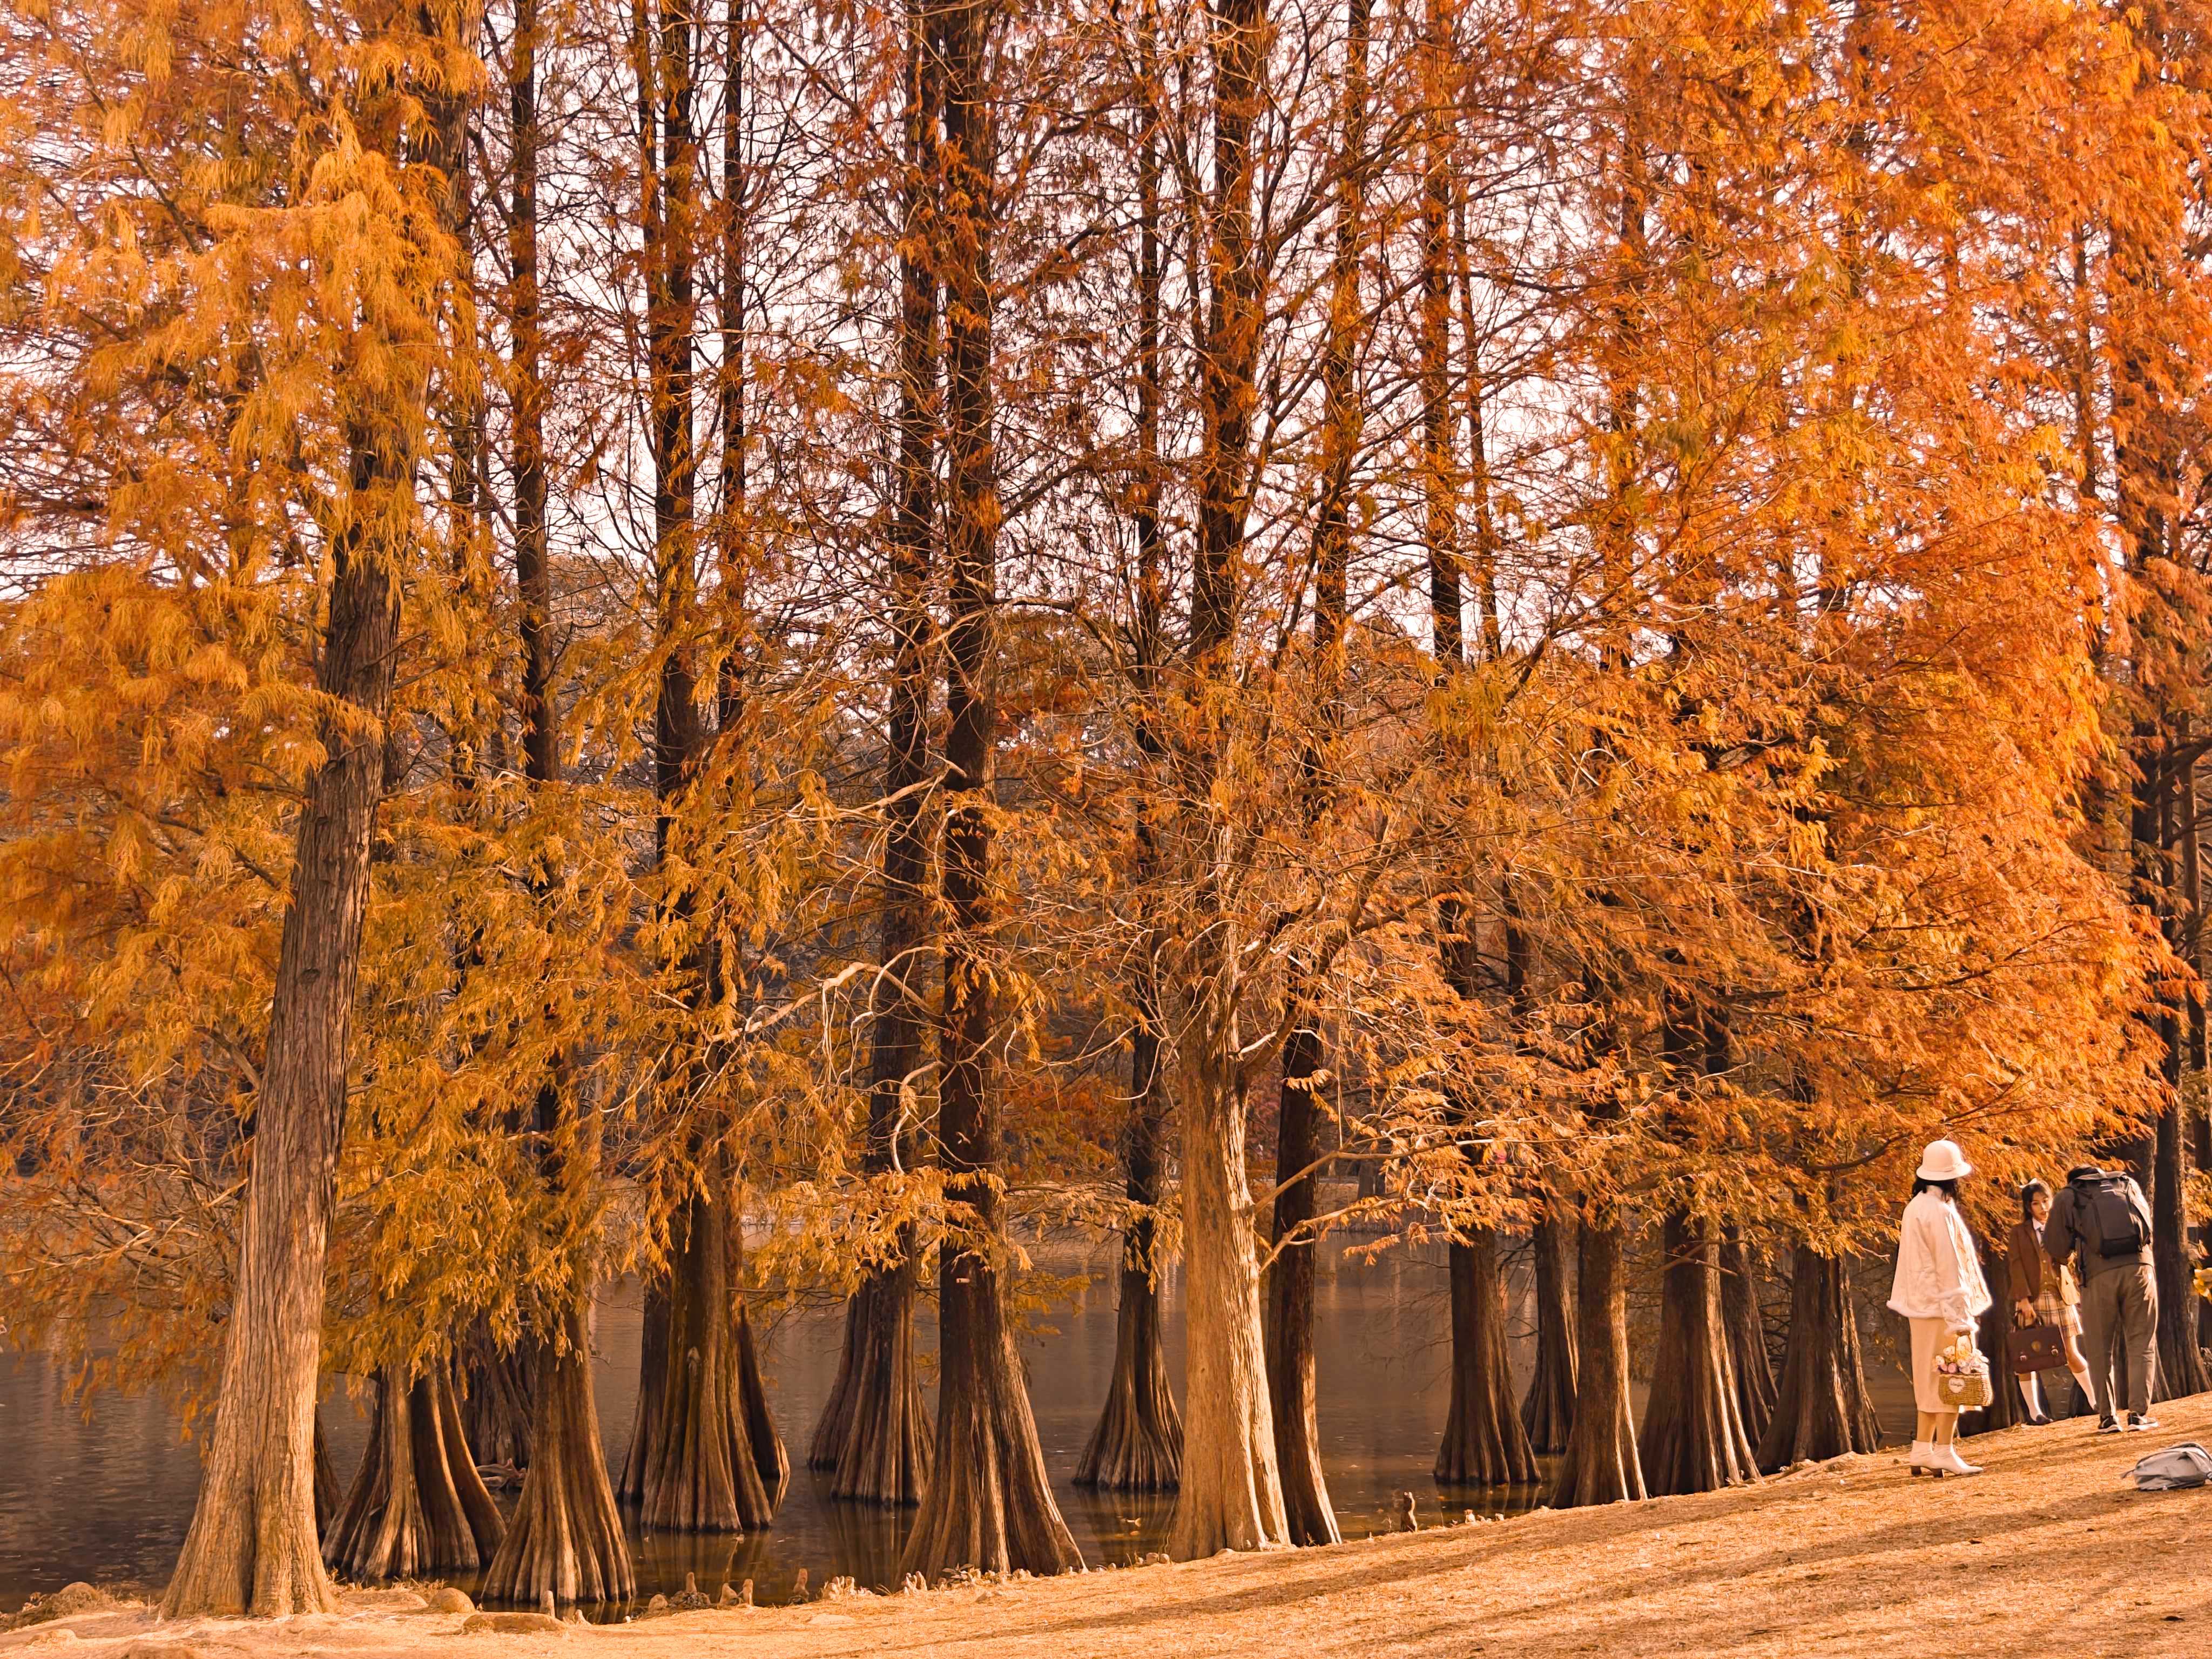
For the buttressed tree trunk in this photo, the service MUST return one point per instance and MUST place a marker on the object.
(989, 1503)
(494, 1382)
(1484, 1442)
(874, 1428)
(1547, 1411)
(707, 1475)
(1138, 1444)
(253, 1544)
(1601, 1464)
(1693, 1437)
(1746, 1338)
(1821, 1407)
(417, 1504)
(1231, 1496)
(566, 1535)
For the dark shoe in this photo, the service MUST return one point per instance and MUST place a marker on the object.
(2141, 1425)
(2108, 1425)
(2038, 1421)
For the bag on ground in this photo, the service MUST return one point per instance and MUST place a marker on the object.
(2187, 1465)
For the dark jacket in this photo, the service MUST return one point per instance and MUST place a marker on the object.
(2024, 1262)
(2071, 1231)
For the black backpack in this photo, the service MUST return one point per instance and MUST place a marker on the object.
(2108, 1217)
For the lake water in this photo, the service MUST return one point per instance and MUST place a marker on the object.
(107, 1496)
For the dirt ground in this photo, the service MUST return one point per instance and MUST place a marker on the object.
(2047, 1553)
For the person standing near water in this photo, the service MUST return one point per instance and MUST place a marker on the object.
(1941, 1292)
(2043, 1292)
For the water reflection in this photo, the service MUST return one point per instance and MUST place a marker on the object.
(108, 1499)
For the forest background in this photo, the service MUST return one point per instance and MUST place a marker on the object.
(773, 647)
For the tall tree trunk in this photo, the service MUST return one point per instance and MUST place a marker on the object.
(1746, 1338)
(1601, 1465)
(1484, 1443)
(1485, 1440)
(417, 1504)
(1232, 1495)
(1547, 1411)
(565, 1536)
(873, 1430)
(1693, 1437)
(1290, 1311)
(253, 1544)
(989, 1503)
(1821, 1407)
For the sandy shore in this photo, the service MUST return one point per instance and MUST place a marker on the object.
(2047, 1553)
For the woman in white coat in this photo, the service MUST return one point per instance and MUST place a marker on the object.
(1940, 1290)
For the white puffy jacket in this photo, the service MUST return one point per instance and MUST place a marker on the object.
(1939, 1276)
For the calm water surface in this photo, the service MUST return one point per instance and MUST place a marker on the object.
(107, 1496)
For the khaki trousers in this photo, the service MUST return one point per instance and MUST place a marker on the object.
(2119, 1336)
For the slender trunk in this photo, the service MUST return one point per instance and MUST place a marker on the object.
(1290, 1313)
(2181, 1368)
(565, 1538)
(1821, 1407)
(874, 1430)
(1746, 1338)
(328, 1493)
(989, 1503)
(1484, 1443)
(1138, 1444)
(1601, 1465)
(417, 1504)
(565, 1535)
(1548, 1411)
(1290, 1310)
(644, 1453)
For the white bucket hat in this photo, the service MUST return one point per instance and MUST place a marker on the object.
(1942, 1161)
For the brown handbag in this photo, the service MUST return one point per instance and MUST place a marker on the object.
(2038, 1347)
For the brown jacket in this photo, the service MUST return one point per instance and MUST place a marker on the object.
(2025, 1264)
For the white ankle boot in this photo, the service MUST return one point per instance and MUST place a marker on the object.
(1923, 1452)
(1947, 1461)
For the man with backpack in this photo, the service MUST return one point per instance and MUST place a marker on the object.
(2103, 1222)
